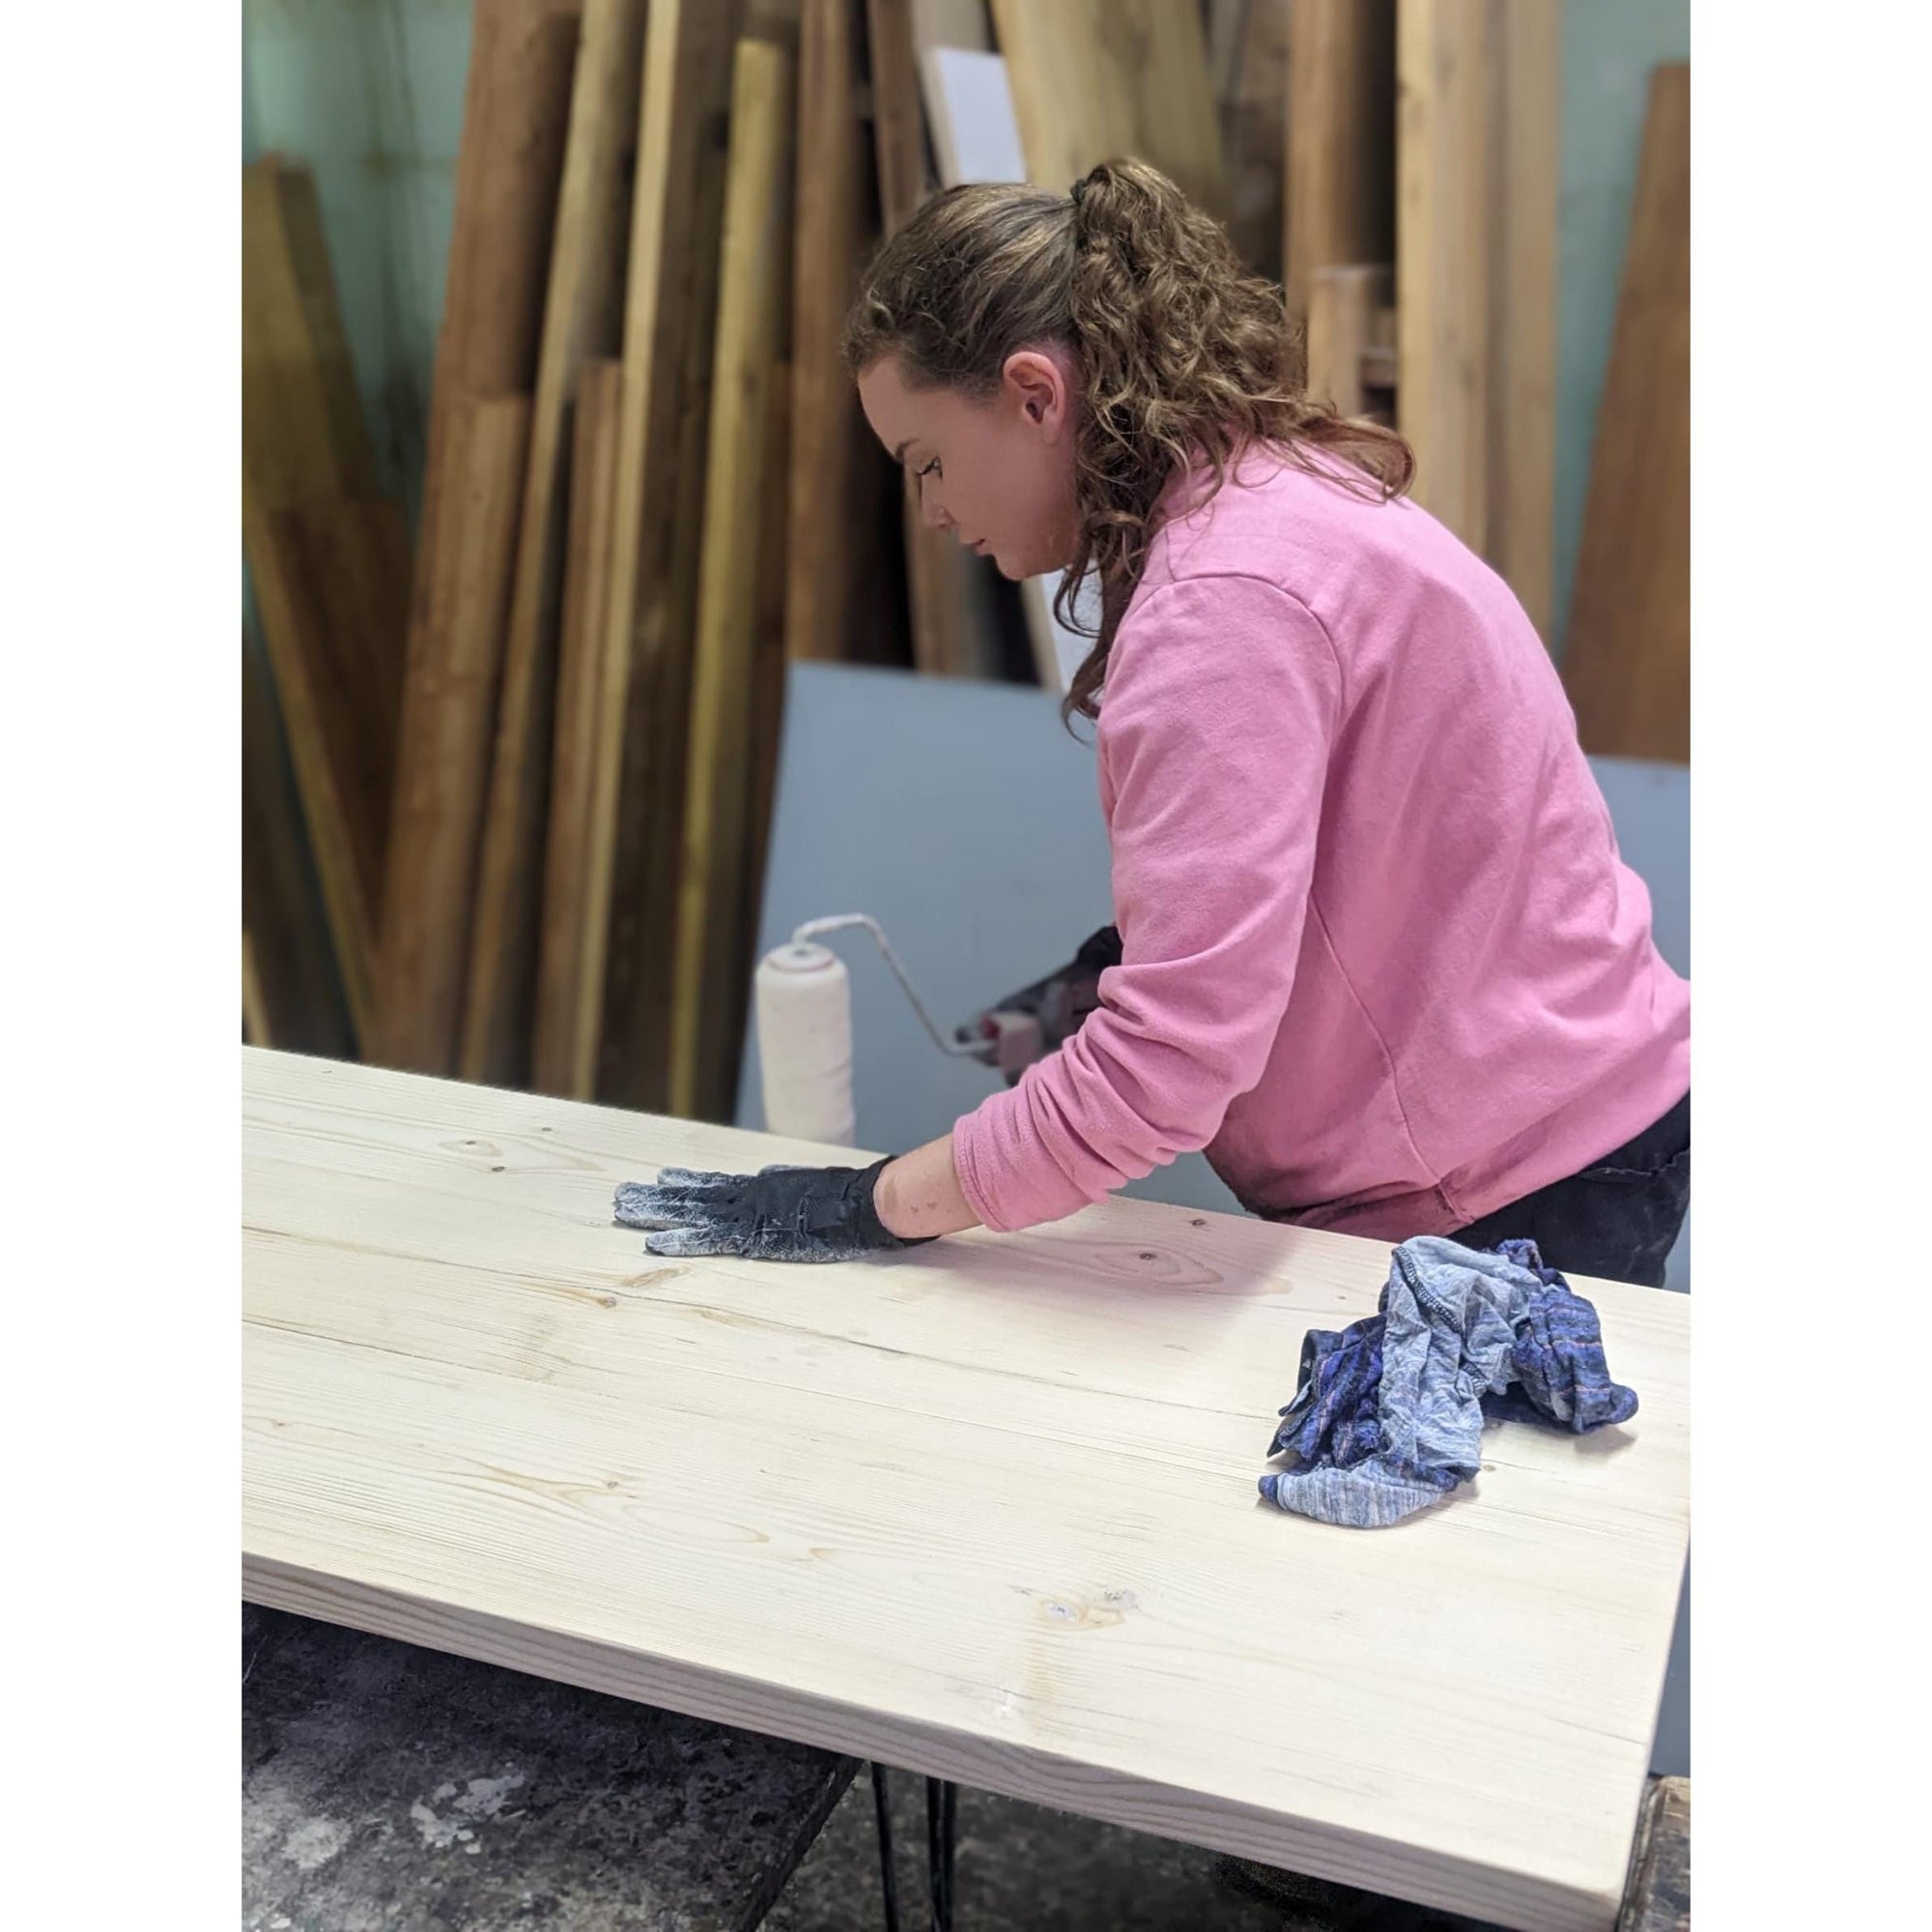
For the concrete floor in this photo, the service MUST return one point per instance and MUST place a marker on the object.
(1025, 1868)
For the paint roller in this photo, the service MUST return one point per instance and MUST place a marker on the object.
(803, 1000)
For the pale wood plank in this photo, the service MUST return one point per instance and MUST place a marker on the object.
(1101, 81)
(1340, 160)
(986, 1510)
(515, 118)
(582, 319)
(718, 846)
(443, 755)
(669, 300)
(1627, 661)
(1528, 167)
(1443, 391)
(561, 1050)
(1343, 304)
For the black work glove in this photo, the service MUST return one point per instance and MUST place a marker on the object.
(778, 1214)
(1056, 1005)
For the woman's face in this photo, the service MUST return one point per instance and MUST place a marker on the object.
(998, 473)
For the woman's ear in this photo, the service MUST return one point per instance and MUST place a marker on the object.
(1037, 385)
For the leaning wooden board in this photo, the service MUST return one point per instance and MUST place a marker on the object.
(714, 939)
(985, 1508)
(1627, 659)
(583, 313)
(516, 113)
(669, 300)
(1129, 78)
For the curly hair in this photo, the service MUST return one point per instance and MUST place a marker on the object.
(1184, 356)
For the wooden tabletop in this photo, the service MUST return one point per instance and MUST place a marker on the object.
(984, 1510)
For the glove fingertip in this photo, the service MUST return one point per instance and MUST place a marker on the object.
(681, 1244)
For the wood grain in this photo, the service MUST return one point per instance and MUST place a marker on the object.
(332, 587)
(444, 756)
(668, 304)
(291, 995)
(582, 319)
(1341, 306)
(1443, 247)
(1527, 170)
(1478, 155)
(984, 1510)
(515, 117)
(562, 1053)
(1627, 661)
(720, 842)
(1101, 81)
(1341, 139)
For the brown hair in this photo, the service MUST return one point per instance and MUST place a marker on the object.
(1182, 353)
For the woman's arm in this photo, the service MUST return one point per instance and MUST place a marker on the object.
(919, 1196)
(1222, 702)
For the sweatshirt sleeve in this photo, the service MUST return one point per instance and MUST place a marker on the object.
(1222, 701)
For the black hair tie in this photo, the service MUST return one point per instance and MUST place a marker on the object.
(1079, 190)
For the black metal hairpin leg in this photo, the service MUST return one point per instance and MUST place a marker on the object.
(942, 1833)
(888, 1870)
(942, 1842)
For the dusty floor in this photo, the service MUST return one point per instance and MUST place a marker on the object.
(1023, 1868)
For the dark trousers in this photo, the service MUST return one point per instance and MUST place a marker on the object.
(1616, 1219)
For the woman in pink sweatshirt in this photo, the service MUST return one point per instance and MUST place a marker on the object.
(1373, 949)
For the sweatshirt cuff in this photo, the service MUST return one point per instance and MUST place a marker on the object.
(1009, 1177)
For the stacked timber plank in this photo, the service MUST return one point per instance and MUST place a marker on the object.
(1627, 663)
(524, 54)
(328, 560)
(532, 751)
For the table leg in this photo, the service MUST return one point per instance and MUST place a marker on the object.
(888, 1869)
(942, 1832)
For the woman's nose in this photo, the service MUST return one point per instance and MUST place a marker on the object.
(931, 512)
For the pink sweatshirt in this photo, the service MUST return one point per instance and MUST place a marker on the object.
(1380, 955)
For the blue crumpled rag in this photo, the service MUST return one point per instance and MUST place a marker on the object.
(1388, 1416)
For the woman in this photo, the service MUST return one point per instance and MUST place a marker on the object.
(1377, 953)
